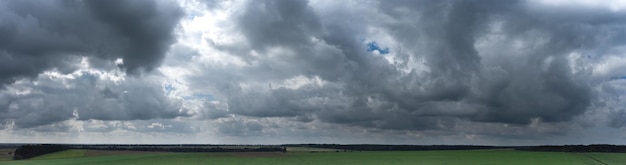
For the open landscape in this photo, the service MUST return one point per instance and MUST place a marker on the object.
(464, 157)
(306, 82)
(309, 155)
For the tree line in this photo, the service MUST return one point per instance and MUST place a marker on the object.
(576, 148)
(34, 150)
(30, 151)
(381, 147)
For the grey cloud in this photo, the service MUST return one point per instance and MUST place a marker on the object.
(470, 75)
(554, 94)
(106, 126)
(240, 127)
(165, 126)
(457, 69)
(41, 35)
(279, 23)
(617, 119)
(88, 97)
(55, 127)
(450, 34)
(213, 111)
(146, 26)
(279, 102)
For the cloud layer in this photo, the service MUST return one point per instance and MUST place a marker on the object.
(488, 72)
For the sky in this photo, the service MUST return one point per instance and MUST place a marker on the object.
(480, 72)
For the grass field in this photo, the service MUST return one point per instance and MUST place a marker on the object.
(62, 154)
(467, 157)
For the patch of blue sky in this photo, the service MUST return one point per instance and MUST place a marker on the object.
(618, 78)
(90, 76)
(373, 46)
(193, 14)
(169, 88)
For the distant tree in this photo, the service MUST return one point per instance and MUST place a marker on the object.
(29, 151)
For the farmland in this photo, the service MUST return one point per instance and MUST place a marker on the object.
(6, 153)
(302, 156)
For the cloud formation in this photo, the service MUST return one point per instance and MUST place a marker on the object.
(85, 96)
(460, 81)
(43, 35)
(481, 72)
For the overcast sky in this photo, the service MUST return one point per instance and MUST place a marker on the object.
(486, 72)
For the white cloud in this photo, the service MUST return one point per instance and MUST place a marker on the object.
(613, 5)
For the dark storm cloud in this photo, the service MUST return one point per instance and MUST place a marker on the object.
(41, 35)
(486, 61)
(146, 25)
(363, 77)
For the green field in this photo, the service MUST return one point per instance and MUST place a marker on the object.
(62, 154)
(467, 157)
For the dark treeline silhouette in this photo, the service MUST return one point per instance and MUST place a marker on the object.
(29, 151)
(380, 147)
(182, 148)
(576, 148)
(33, 150)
